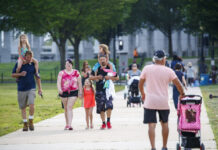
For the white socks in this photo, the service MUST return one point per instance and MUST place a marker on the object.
(24, 120)
(31, 117)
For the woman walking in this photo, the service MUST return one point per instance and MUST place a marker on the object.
(69, 88)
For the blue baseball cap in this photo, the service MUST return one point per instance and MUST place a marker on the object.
(159, 54)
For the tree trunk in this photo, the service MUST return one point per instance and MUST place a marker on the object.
(170, 46)
(62, 50)
(75, 44)
(114, 49)
(212, 52)
(202, 47)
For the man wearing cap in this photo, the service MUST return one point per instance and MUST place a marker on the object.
(157, 78)
(103, 105)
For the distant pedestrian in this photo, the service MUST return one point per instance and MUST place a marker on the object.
(181, 78)
(134, 71)
(157, 78)
(190, 74)
(135, 53)
(69, 87)
(27, 88)
(89, 102)
(176, 59)
(203, 69)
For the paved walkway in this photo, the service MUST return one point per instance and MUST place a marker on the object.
(127, 132)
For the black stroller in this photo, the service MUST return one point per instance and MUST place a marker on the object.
(133, 95)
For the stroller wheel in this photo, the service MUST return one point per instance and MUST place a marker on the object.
(202, 147)
(178, 147)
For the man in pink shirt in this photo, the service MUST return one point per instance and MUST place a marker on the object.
(157, 78)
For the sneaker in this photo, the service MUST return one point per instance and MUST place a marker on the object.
(25, 126)
(109, 125)
(164, 148)
(103, 126)
(70, 128)
(31, 126)
(66, 127)
(153, 149)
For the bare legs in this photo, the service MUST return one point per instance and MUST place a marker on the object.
(89, 117)
(68, 106)
(151, 133)
(31, 111)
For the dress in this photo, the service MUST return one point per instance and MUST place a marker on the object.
(89, 98)
(23, 52)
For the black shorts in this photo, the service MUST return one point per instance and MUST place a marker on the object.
(151, 117)
(102, 103)
(69, 94)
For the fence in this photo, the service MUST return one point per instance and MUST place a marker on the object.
(46, 75)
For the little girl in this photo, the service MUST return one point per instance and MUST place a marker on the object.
(89, 101)
(23, 47)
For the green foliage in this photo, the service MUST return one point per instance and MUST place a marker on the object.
(164, 15)
(201, 16)
(115, 14)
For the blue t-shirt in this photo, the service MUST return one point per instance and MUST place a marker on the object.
(179, 75)
(27, 82)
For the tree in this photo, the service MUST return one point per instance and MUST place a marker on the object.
(64, 20)
(164, 15)
(39, 17)
(202, 17)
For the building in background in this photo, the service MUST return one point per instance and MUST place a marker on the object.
(145, 41)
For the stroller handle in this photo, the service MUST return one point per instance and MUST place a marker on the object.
(191, 96)
(197, 100)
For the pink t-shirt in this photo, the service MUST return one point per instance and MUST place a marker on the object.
(69, 81)
(157, 79)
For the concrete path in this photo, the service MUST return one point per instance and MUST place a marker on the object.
(128, 131)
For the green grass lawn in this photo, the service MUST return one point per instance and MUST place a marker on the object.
(48, 107)
(48, 70)
(211, 106)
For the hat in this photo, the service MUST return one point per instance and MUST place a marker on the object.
(159, 54)
(189, 64)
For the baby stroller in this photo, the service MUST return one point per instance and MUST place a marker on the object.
(189, 125)
(133, 95)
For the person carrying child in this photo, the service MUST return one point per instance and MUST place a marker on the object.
(89, 101)
(104, 50)
(23, 47)
(104, 104)
(181, 78)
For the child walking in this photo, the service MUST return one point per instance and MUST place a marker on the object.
(23, 47)
(181, 77)
(89, 102)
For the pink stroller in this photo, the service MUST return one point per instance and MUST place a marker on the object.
(189, 125)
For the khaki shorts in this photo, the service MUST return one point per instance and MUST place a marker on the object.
(26, 98)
